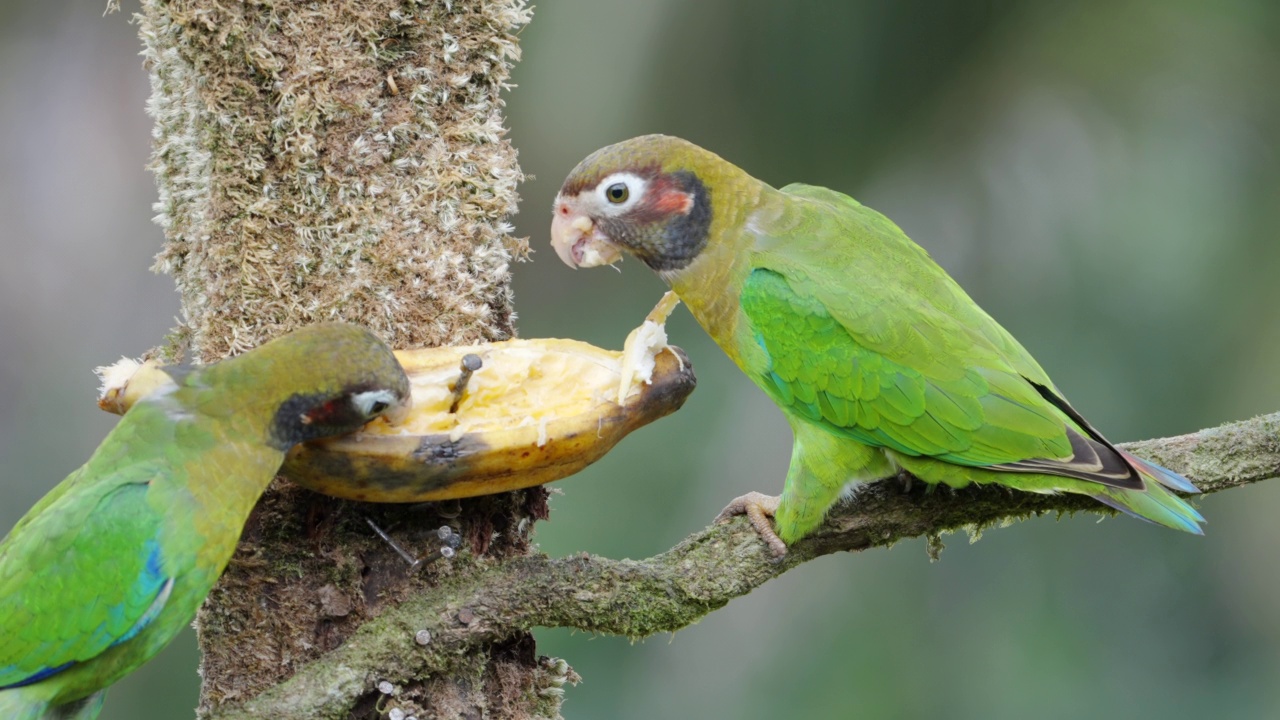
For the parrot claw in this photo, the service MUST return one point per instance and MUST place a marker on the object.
(758, 508)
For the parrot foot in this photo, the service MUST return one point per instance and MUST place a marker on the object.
(759, 509)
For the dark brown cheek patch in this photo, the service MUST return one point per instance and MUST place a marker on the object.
(676, 222)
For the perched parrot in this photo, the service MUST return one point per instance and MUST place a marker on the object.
(109, 566)
(879, 360)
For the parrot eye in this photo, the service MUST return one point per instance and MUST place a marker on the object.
(617, 193)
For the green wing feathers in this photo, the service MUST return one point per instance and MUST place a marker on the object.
(869, 339)
(969, 416)
(75, 594)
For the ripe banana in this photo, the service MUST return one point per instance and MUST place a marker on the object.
(484, 418)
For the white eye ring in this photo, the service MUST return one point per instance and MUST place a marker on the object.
(634, 186)
(367, 402)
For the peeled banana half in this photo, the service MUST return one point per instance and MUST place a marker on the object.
(484, 418)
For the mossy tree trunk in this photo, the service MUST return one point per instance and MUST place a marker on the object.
(342, 160)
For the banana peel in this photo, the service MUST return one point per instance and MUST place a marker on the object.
(484, 419)
(128, 381)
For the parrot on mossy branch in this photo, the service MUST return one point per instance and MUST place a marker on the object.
(109, 566)
(878, 359)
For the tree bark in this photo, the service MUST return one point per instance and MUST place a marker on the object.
(343, 160)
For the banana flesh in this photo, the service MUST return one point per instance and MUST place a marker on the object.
(484, 418)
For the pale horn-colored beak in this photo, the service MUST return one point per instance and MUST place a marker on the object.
(577, 241)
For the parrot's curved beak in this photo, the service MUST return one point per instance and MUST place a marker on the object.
(400, 410)
(577, 240)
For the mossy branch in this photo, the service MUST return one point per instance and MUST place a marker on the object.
(488, 602)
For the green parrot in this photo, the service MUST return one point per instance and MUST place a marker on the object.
(109, 566)
(879, 360)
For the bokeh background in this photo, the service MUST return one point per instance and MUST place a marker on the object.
(1104, 178)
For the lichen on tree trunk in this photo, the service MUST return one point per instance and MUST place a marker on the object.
(343, 160)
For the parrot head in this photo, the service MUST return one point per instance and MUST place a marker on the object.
(319, 381)
(650, 196)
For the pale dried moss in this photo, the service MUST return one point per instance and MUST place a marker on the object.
(335, 160)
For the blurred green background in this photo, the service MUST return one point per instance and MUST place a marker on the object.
(1104, 178)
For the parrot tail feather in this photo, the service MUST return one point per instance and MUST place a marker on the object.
(1155, 504)
(84, 709)
(21, 704)
(27, 703)
(1165, 477)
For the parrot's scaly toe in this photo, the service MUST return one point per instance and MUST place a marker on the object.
(759, 509)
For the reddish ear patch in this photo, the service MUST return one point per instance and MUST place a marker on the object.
(669, 202)
(325, 414)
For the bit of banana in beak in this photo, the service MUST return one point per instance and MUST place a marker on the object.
(579, 243)
(533, 411)
(126, 381)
